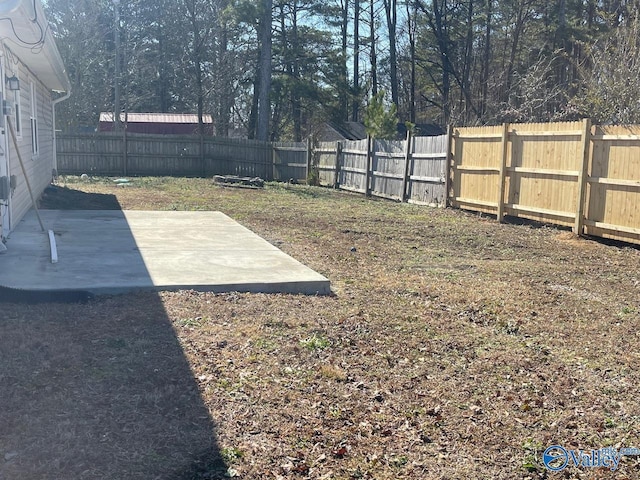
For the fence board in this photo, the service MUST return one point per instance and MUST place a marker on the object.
(91, 154)
(531, 171)
(424, 176)
(288, 161)
(556, 150)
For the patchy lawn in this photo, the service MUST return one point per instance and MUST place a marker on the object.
(453, 348)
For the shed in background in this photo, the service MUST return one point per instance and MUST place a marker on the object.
(157, 123)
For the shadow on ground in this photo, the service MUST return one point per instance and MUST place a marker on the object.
(63, 198)
(100, 390)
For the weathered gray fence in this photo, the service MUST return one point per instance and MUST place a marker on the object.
(414, 170)
(109, 153)
(291, 161)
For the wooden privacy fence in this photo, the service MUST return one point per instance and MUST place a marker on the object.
(414, 170)
(109, 153)
(572, 174)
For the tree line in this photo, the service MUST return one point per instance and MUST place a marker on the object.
(279, 69)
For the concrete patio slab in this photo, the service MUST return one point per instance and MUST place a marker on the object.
(113, 251)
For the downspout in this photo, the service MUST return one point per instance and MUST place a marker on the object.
(55, 144)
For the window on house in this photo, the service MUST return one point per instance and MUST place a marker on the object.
(17, 113)
(34, 121)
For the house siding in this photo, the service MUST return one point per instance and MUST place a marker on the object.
(38, 168)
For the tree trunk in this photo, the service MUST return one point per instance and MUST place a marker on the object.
(196, 59)
(264, 107)
(356, 62)
(486, 58)
(466, 68)
(344, 94)
(517, 31)
(411, 30)
(390, 7)
(373, 58)
(224, 91)
(442, 37)
(296, 107)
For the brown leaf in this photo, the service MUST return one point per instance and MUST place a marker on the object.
(301, 468)
(340, 452)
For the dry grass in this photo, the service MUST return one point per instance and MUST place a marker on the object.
(454, 347)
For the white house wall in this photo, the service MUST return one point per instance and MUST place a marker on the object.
(39, 168)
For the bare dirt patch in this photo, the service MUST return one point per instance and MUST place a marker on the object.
(454, 347)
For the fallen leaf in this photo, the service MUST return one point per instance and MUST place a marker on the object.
(340, 452)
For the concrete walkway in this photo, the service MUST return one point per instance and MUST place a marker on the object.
(112, 251)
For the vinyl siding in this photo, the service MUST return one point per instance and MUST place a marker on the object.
(38, 168)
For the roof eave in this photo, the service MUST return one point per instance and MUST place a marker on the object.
(44, 61)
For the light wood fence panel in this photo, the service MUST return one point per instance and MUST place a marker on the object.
(613, 184)
(543, 163)
(565, 173)
(476, 158)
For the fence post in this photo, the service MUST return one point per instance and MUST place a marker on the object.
(369, 173)
(448, 168)
(309, 159)
(503, 170)
(125, 156)
(274, 158)
(202, 159)
(407, 163)
(585, 151)
(336, 177)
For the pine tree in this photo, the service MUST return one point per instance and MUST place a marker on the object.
(381, 122)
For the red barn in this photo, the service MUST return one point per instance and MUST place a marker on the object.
(158, 123)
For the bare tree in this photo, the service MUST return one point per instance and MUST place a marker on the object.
(391, 10)
(611, 90)
(355, 108)
(264, 68)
